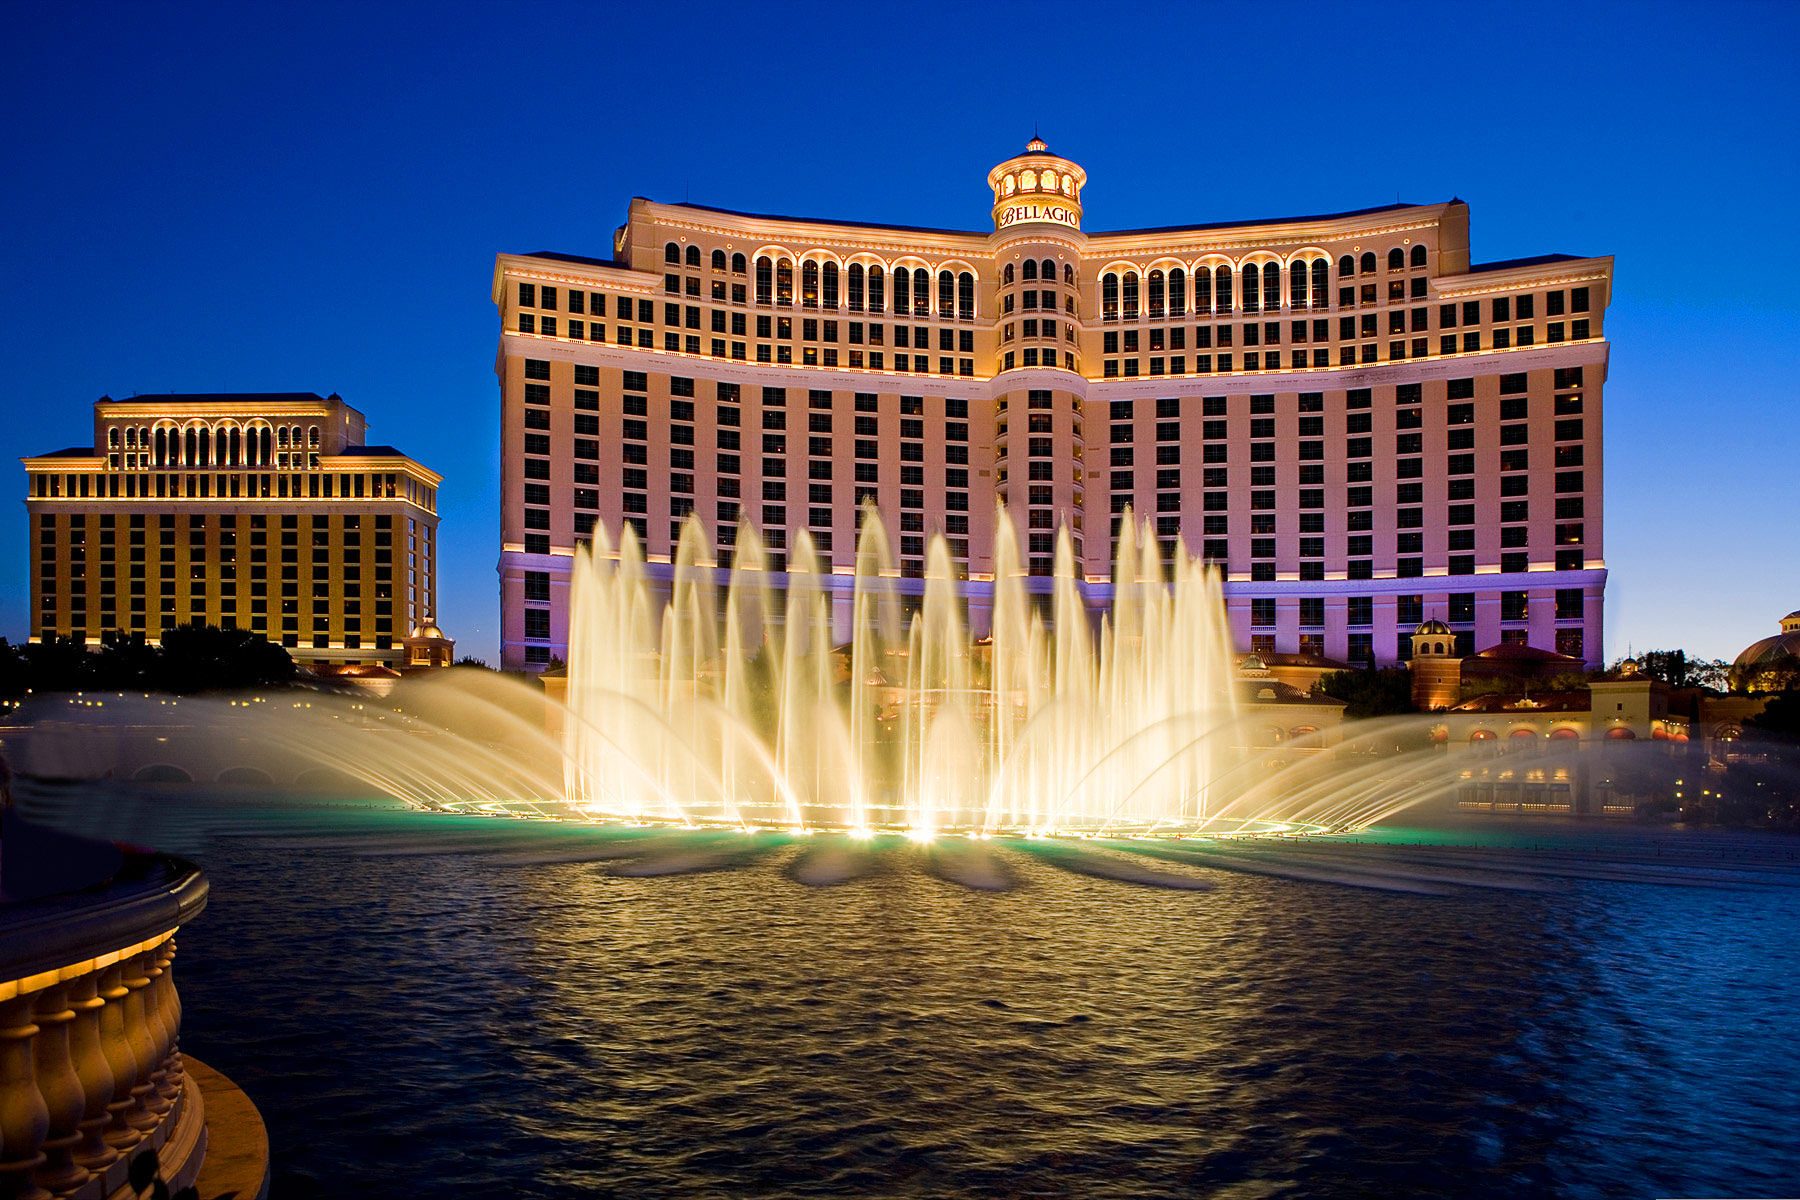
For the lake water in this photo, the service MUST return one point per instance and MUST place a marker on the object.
(427, 1006)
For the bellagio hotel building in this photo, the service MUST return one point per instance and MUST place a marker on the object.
(1356, 424)
(262, 511)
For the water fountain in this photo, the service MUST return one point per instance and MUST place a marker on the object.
(829, 710)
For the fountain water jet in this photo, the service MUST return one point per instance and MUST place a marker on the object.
(752, 713)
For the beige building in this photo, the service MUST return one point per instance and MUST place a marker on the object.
(261, 511)
(1357, 422)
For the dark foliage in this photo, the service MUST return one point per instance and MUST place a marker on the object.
(191, 659)
(1371, 693)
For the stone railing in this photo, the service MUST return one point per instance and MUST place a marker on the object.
(90, 1073)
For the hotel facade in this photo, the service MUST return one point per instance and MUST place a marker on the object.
(263, 511)
(1359, 427)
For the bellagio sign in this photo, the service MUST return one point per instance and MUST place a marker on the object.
(1056, 214)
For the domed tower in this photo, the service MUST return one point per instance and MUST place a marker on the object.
(1037, 188)
(1436, 667)
(1037, 245)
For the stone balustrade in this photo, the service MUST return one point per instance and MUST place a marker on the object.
(91, 1074)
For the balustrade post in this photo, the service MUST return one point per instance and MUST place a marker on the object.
(89, 1056)
(168, 1004)
(24, 1118)
(143, 1115)
(157, 1099)
(115, 1043)
(61, 1089)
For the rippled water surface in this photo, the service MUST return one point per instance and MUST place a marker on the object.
(424, 1007)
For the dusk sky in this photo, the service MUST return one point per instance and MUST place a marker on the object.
(286, 197)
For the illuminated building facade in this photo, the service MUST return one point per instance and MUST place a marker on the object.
(264, 511)
(1361, 428)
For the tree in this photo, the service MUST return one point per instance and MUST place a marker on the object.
(1780, 716)
(1676, 669)
(204, 657)
(1371, 693)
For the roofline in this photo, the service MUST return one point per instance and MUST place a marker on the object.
(1207, 227)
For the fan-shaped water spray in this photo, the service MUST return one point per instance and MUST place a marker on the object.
(864, 702)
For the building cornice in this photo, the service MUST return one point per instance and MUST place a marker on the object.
(1592, 352)
(1557, 274)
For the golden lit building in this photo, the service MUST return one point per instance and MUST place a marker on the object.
(263, 511)
(1360, 426)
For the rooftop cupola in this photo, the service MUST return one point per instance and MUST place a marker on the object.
(1037, 187)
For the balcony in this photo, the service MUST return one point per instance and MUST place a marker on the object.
(96, 1099)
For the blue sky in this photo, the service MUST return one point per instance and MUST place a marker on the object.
(287, 197)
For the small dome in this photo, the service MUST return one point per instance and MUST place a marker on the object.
(1772, 660)
(427, 629)
(1036, 146)
(1432, 628)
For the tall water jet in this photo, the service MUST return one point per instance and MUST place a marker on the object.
(746, 712)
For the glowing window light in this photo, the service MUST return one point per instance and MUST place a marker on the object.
(1028, 181)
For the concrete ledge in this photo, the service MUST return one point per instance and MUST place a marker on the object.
(237, 1143)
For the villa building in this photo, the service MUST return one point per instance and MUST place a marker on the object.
(264, 511)
(1360, 427)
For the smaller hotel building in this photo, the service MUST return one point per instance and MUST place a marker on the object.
(262, 511)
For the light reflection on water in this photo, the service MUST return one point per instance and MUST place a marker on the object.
(428, 1025)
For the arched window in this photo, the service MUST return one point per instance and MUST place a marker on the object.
(902, 290)
(1109, 297)
(112, 437)
(718, 260)
(784, 282)
(1222, 290)
(921, 292)
(765, 279)
(877, 290)
(946, 295)
(1297, 283)
(809, 284)
(162, 448)
(1252, 292)
(831, 288)
(190, 450)
(1368, 262)
(854, 287)
(1321, 283)
(1203, 290)
(267, 457)
(1396, 259)
(1006, 275)
(672, 253)
(1048, 271)
(737, 264)
(965, 296)
(1177, 292)
(312, 436)
(1028, 180)
(1418, 255)
(1157, 289)
(1028, 270)
(1346, 267)
(1131, 295)
(1069, 274)
(281, 437)
(693, 256)
(1271, 287)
